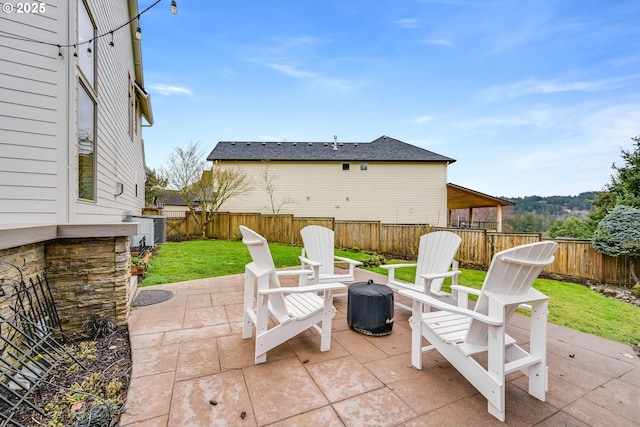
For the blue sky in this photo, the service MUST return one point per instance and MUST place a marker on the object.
(530, 97)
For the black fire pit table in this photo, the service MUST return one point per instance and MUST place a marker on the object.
(370, 308)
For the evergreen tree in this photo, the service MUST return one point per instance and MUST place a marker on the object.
(571, 227)
(624, 188)
(618, 234)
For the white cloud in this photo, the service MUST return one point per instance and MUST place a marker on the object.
(438, 42)
(164, 89)
(313, 78)
(406, 23)
(532, 87)
(421, 120)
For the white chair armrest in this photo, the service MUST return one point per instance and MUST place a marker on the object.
(293, 272)
(255, 270)
(391, 273)
(431, 276)
(349, 260)
(394, 266)
(428, 300)
(305, 289)
(461, 293)
(310, 262)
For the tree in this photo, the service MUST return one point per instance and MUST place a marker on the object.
(268, 183)
(153, 186)
(215, 187)
(531, 223)
(571, 227)
(203, 191)
(624, 188)
(618, 234)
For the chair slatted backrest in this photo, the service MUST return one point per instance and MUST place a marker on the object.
(319, 246)
(436, 253)
(512, 272)
(261, 255)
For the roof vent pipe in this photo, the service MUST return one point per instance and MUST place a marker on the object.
(335, 142)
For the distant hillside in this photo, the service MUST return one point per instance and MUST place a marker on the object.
(555, 206)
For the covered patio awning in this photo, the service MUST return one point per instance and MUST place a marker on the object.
(459, 197)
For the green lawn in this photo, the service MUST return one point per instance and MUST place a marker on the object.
(570, 304)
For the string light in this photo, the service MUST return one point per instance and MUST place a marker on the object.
(89, 49)
(138, 35)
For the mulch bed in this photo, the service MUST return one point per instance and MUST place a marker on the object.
(112, 362)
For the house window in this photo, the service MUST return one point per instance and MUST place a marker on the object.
(345, 166)
(364, 166)
(86, 44)
(132, 109)
(86, 145)
(87, 105)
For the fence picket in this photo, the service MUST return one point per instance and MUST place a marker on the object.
(574, 258)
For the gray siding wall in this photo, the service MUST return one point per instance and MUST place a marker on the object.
(30, 90)
(38, 99)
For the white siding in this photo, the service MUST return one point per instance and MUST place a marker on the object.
(30, 75)
(119, 158)
(38, 106)
(387, 192)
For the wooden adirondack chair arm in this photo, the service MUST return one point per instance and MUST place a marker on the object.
(426, 299)
(394, 266)
(466, 289)
(349, 260)
(310, 262)
(431, 276)
(532, 295)
(256, 271)
(391, 274)
(293, 272)
(303, 289)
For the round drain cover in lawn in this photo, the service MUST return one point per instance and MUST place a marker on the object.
(151, 296)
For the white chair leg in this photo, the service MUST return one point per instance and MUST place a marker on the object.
(416, 335)
(247, 323)
(538, 381)
(327, 316)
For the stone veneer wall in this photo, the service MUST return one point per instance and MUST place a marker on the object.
(28, 258)
(89, 276)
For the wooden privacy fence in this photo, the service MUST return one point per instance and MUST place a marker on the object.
(574, 258)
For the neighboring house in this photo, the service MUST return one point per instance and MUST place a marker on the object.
(384, 180)
(71, 151)
(171, 203)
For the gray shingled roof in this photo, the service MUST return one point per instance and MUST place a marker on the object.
(383, 149)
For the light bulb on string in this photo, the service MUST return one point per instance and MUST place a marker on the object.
(139, 33)
(89, 49)
(75, 51)
(174, 7)
(111, 44)
(60, 56)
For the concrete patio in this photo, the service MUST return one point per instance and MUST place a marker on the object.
(188, 353)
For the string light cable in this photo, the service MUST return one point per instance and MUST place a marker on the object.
(173, 9)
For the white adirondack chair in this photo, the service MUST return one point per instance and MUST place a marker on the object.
(435, 262)
(292, 309)
(459, 333)
(318, 254)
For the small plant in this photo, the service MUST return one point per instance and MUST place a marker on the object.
(374, 261)
(135, 261)
(98, 326)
